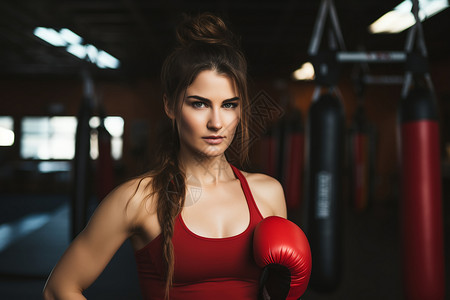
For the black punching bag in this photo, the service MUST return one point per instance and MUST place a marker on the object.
(325, 150)
(421, 198)
(81, 188)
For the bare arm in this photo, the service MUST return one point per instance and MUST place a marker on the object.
(90, 252)
(268, 194)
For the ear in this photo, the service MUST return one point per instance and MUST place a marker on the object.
(167, 109)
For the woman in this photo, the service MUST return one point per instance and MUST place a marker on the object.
(191, 218)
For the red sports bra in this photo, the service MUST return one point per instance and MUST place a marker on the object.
(205, 268)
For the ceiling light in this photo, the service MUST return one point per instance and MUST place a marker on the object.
(401, 17)
(70, 37)
(392, 22)
(77, 50)
(305, 72)
(50, 35)
(73, 43)
(91, 53)
(105, 60)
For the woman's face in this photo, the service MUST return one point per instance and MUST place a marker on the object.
(209, 114)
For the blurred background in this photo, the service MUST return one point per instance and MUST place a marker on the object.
(63, 63)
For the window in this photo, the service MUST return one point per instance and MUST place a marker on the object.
(48, 137)
(45, 138)
(114, 125)
(6, 131)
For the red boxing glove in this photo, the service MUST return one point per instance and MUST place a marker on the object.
(282, 249)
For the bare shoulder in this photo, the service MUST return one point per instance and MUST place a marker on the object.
(268, 194)
(134, 197)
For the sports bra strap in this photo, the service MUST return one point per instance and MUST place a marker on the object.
(248, 196)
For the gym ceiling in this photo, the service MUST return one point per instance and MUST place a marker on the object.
(275, 34)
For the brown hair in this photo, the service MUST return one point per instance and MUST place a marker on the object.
(205, 43)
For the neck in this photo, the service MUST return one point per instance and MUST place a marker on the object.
(207, 171)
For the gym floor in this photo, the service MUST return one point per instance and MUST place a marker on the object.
(32, 241)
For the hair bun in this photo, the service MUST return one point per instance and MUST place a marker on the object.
(204, 28)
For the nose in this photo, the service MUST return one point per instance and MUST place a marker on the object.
(215, 121)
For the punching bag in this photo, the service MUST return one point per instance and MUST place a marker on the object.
(269, 152)
(293, 165)
(360, 164)
(105, 168)
(421, 198)
(81, 187)
(325, 138)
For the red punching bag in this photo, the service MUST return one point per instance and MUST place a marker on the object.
(293, 165)
(269, 153)
(105, 168)
(360, 171)
(359, 147)
(421, 198)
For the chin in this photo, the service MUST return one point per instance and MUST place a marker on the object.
(213, 151)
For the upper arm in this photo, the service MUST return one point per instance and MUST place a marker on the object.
(268, 194)
(87, 256)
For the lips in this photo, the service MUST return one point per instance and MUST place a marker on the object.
(213, 139)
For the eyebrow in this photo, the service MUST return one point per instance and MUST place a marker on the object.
(209, 101)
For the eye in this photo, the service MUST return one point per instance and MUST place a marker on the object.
(230, 105)
(198, 104)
